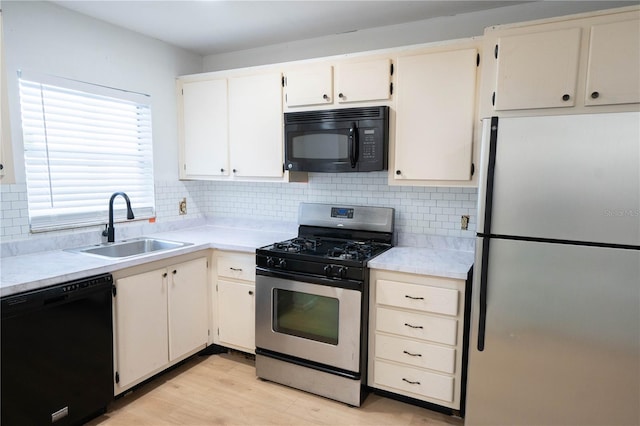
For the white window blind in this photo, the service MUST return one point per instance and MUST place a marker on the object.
(82, 143)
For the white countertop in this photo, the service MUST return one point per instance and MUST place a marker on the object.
(32, 271)
(37, 270)
(425, 261)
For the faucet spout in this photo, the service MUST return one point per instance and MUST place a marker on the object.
(110, 232)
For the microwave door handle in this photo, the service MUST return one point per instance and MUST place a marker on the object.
(353, 144)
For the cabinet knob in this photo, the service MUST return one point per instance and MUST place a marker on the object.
(221, 170)
(234, 170)
(251, 292)
(174, 272)
(566, 97)
(325, 97)
(164, 275)
(340, 95)
(595, 95)
(398, 172)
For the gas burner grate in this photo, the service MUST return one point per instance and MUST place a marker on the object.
(298, 245)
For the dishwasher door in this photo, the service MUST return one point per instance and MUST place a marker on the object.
(57, 353)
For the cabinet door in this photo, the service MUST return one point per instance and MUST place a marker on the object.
(537, 70)
(188, 313)
(613, 73)
(363, 81)
(255, 125)
(236, 316)
(206, 145)
(311, 85)
(6, 169)
(141, 325)
(434, 118)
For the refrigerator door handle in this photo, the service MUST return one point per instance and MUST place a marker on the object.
(482, 314)
(486, 228)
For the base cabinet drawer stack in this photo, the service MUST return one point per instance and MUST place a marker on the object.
(416, 336)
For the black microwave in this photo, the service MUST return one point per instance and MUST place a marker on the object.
(338, 140)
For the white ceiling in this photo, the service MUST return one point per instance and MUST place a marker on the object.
(215, 26)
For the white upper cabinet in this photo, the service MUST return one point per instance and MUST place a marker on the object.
(255, 125)
(435, 110)
(363, 81)
(230, 127)
(311, 85)
(6, 162)
(613, 72)
(537, 70)
(340, 82)
(569, 65)
(206, 145)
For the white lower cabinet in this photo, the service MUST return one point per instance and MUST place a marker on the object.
(416, 336)
(160, 318)
(235, 300)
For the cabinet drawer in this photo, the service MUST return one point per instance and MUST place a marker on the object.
(418, 354)
(237, 265)
(414, 380)
(418, 297)
(419, 326)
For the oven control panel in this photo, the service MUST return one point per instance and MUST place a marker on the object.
(342, 212)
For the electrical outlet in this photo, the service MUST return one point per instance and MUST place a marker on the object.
(464, 222)
(182, 207)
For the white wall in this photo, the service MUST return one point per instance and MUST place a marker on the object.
(43, 37)
(426, 31)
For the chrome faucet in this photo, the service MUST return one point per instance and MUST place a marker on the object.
(110, 231)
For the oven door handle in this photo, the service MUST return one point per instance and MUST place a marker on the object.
(313, 279)
(353, 144)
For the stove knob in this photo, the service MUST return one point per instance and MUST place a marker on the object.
(343, 272)
(282, 263)
(327, 270)
(270, 262)
(340, 272)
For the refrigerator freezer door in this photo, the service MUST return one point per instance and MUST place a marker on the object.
(562, 340)
(571, 178)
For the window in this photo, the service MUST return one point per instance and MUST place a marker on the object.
(82, 143)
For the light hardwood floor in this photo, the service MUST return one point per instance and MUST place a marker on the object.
(224, 390)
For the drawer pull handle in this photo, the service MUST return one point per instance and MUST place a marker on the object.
(413, 326)
(410, 382)
(414, 298)
(410, 354)
(236, 269)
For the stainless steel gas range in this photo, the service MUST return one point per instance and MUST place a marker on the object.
(312, 300)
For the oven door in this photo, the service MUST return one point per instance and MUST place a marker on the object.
(314, 322)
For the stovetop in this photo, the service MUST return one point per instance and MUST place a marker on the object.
(329, 248)
(333, 242)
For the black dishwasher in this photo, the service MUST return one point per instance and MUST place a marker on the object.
(57, 353)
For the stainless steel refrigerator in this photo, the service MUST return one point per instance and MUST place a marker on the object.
(555, 335)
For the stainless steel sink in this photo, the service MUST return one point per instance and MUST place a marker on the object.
(129, 248)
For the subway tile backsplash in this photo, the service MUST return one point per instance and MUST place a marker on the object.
(419, 210)
(434, 211)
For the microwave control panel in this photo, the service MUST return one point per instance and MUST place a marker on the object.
(368, 144)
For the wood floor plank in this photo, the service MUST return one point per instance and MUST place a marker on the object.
(224, 390)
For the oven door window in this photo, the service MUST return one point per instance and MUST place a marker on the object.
(306, 315)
